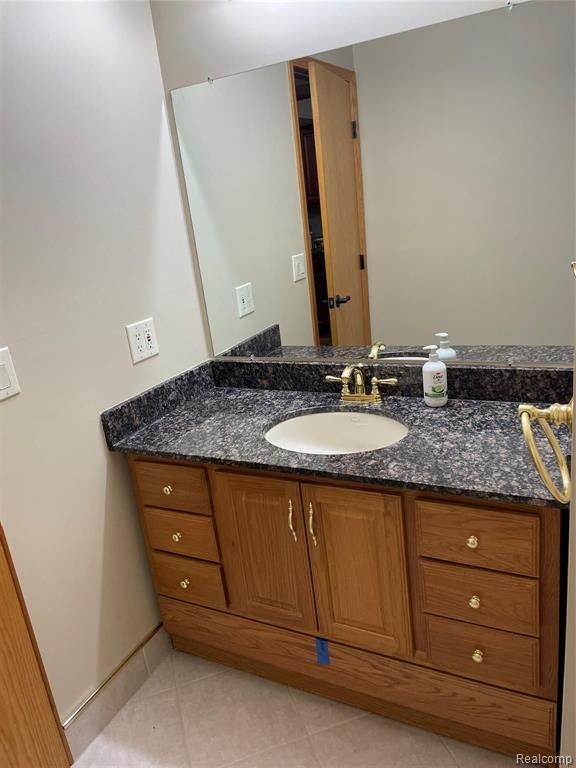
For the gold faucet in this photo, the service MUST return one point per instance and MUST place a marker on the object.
(354, 374)
(376, 349)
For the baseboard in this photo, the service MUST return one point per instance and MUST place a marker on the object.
(94, 714)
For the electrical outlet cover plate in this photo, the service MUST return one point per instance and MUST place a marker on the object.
(298, 267)
(9, 385)
(142, 340)
(244, 299)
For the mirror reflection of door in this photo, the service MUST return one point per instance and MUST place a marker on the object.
(327, 136)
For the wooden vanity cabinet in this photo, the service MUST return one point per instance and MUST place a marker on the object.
(443, 612)
(357, 551)
(263, 540)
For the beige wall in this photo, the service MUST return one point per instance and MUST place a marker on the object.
(467, 135)
(201, 38)
(239, 159)
(94, 238)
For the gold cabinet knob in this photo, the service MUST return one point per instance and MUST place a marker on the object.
(167, 490)
(472, 542)
(176, 537)
(478, 656)
(474, 602)
(185, 583)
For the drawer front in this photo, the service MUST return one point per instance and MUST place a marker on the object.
(500, 541)
(181, 533)
(495, 657)
(172, 487)
(191, 580)
(481, 597)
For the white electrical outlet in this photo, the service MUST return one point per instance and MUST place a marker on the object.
(142, 340)
(244, 299)
(298, 267)
(9, 385)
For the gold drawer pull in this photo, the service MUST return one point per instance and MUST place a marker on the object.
(472, 542)
(176, 537)
(478, 656)
(290, 520)
(185, 583)
(474, 602)
(167, 490)
(311, 524)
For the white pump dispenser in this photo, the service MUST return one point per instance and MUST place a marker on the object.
(435, 379)
(445, 352)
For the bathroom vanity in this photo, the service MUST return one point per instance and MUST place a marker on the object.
(422, 581)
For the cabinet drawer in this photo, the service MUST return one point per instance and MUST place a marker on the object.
(172, 487)
(501, 541)
(181, 533)
(481, 597)
(191, 580)
(489, 655)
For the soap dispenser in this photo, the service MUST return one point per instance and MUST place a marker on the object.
(445, 352)
(435, 379)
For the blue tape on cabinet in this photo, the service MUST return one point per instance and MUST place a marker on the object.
(322, 653)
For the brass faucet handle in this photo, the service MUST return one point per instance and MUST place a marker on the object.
(376, 349)
(375, 392)
(343, 380)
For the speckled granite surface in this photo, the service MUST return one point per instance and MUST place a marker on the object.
(262, 344)
(129, 416)
(507, 355)
(470, 383)
(469, 447)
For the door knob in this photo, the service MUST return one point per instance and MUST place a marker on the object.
(341, 300)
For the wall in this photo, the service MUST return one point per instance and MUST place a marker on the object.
(467, 133)
(239, 159)
(94, 237)
(202, 38)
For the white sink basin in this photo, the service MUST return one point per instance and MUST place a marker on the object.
(404, 359)
(336, 432)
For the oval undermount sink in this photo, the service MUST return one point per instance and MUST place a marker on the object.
(336, 432)
(404, 359)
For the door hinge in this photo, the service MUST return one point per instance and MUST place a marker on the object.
(354, 130)
(362, 261)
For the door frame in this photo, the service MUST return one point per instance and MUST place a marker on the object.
(350, 77)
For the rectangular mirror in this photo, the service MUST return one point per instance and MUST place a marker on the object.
(386, 191)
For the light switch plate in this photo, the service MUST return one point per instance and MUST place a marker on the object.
(244, 299)
(142, 340)
(298, 267)
(9, 385)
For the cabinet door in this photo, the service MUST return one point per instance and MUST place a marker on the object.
(356, 543)
(263, 541)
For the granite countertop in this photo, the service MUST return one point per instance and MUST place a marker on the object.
(469, 447)
(507, 355)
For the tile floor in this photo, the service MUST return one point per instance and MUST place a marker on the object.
(192, 713)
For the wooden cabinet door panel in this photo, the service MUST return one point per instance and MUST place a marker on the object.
(359, 568)
(263, 542)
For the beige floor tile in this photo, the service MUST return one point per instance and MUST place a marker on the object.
(318, 713)
(468, 756)
(298, 754)
(157, 648)
(147, 733)
(161, 679)
(188, 668)
(233, 715)
(375, 742)
(107, 704)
